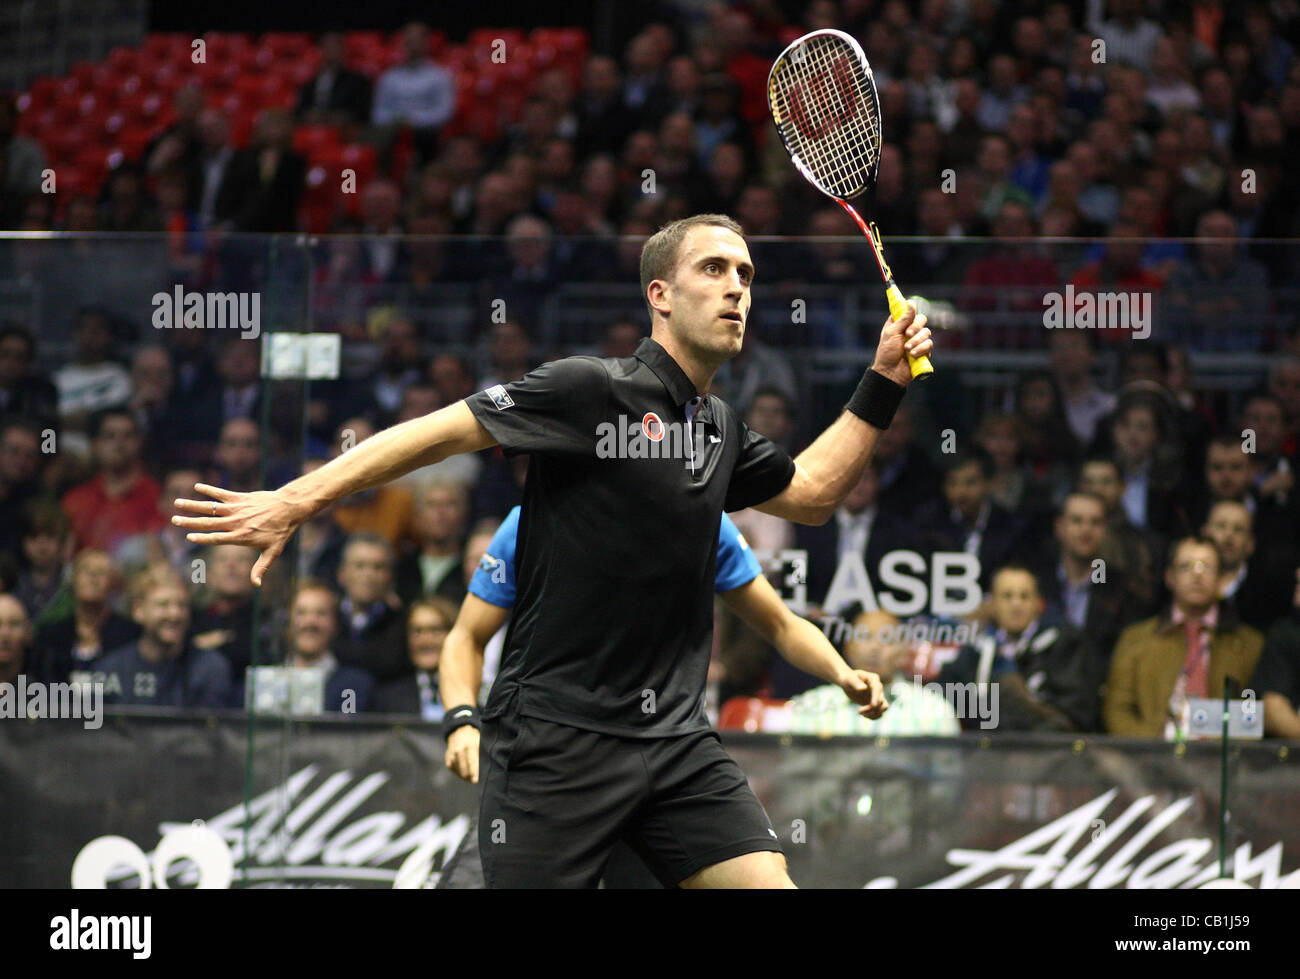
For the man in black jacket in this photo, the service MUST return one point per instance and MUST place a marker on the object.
(372, 628)
(1045, 674)
(335, 95)
(1079, 588)
(967, 519)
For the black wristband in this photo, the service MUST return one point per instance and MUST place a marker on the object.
(876, 399)
(459, 717)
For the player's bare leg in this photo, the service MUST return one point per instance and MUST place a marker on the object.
(763, 869)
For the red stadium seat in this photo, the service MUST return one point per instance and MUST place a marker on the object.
(313, 142)
(361, 158)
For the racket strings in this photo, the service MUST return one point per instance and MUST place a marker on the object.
(829, 115)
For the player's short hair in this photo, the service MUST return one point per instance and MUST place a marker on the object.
(659, 253)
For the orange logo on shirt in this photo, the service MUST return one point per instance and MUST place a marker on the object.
(652, 426)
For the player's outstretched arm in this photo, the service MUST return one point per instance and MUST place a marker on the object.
(833, 464)
(460, 674)
(803, 644)
(268, 518)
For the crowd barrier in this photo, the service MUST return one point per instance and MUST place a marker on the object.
(167, 800)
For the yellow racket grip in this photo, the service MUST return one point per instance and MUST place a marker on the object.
(921, 367)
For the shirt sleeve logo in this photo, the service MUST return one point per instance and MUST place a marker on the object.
(500, 398)
(652, 426)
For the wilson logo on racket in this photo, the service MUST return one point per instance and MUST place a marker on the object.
(815, 87)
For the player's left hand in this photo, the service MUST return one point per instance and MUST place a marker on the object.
(908, 335)
(865, 689)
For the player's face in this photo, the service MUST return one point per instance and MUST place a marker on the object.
(164, 614)
(1227, 471)
(1015, 601)
(425, 634)
(709, 296)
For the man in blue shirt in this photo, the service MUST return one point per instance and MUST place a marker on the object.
(160, 669)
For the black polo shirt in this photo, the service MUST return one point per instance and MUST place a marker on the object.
(628, 475)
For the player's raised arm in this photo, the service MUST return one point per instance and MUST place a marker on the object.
(833, 464)
(268, 518)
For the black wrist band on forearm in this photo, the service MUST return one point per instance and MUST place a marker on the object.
(876, 399)
(459, 717)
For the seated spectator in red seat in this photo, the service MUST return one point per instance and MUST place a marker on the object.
(415, 92)
(43, 584)
(1013, 277)
(335, 95)
(427, 624)
(1045, 673)
(121, 499)
(441, 513)
(91, 628)
(160, 669)
(313, 627)
(268, 177)
(15, 639)
(1277, 677)
(372, 633)
(1188, 651)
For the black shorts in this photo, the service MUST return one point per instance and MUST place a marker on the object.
(556, 799)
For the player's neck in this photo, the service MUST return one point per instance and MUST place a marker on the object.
(697, 370)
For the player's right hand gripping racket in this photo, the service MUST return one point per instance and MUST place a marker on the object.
(824, 103)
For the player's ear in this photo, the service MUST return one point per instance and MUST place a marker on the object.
(659, 296)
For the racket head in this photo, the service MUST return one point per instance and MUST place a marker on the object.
(823, 99)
